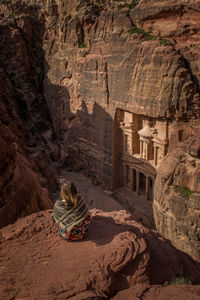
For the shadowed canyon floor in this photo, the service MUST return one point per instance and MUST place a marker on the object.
(120, 259)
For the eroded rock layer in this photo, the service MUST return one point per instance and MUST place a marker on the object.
(177, 195)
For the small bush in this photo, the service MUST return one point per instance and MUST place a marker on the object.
(82, 45)
(164, 42)
(76, 18)
(132, 5)
(180, 280)
(137, 30)
(149, 37)
(146, 35)
(184, 191)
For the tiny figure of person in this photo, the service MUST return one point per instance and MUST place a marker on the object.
(71, 213)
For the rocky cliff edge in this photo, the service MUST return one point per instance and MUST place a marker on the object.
(120, 259)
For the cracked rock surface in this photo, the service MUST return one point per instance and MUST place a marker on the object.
(120, 259)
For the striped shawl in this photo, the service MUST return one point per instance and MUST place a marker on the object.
(69, 216)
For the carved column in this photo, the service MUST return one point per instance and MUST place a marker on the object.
(155, 155)
(141, 148)
(124, 143)
(137, 181)
(144, 150)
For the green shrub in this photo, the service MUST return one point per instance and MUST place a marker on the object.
(184, 191)
(82, 45)
(180, 280)
(164, 42)
(135, 29)
(76, 18)
(149, 37)
(132, 5)
(145, 34)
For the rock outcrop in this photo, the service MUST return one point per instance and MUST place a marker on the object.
(25, 166)
(176, 20)
(177, 196)
(120, 258)
(21, 192)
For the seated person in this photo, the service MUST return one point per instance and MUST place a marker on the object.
(71, 213)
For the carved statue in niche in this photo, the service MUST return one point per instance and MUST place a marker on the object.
(146, 147)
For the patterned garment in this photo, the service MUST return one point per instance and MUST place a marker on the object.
(78, 232)
(69, 216)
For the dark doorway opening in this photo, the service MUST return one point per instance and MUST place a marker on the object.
(134, 180)
(142, 183)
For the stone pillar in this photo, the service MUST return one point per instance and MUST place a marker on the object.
(137, 181)
(155, 155)
(146, 151)
(141, 148)
(130, 150)
(147, 188)
(124, 143)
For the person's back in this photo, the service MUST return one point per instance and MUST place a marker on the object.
(71, 213)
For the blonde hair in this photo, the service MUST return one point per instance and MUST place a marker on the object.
(69, 193)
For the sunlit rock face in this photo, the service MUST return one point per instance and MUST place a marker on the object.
(177, 195)
(77, 69)
(95, 64)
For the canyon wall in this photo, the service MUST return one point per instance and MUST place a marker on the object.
(26, 157)
(96, 63)
(71, 65)
(177, 195)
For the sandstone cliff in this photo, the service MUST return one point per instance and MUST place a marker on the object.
(177, 194)
(69, 67)
(25, 159)
(96, 63)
